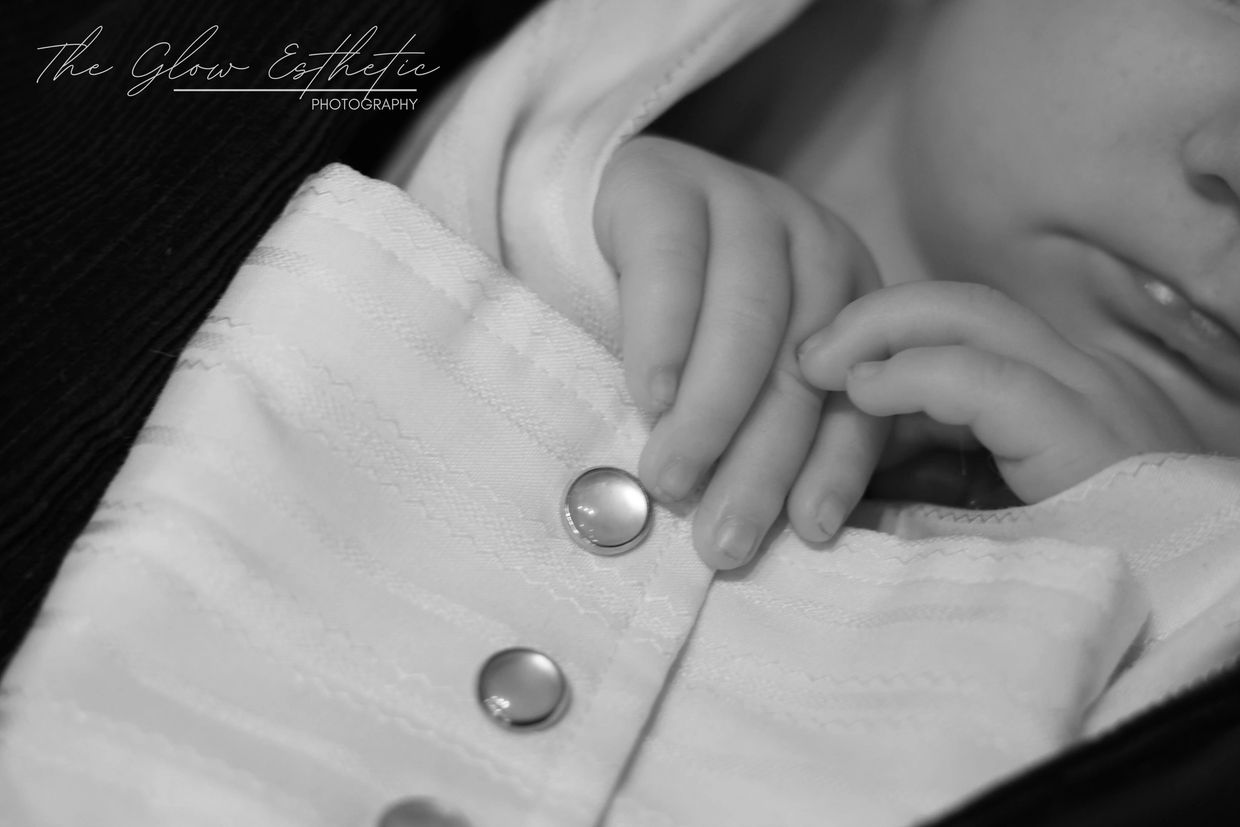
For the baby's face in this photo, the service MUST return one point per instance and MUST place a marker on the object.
(1084, 157)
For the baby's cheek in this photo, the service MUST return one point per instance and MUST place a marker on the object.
(1184, 412)
(1216, 422)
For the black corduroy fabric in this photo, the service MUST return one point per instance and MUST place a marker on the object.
(1174, 764)
(125, 216)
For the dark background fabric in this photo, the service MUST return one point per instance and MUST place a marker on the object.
(123, 220)
(1174, 765)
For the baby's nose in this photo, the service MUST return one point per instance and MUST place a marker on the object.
(1211, 157)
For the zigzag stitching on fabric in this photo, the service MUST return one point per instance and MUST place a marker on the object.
(718, 665)
(534, 525)
(983, 731)
(664, 635)
(614, 650)
(367, 707)
(498, 772)
(189, 363)
(1220, 525)
(802, 773)
(969, 615)
(451, 366)
(190, 525)
(451, 529)
(719, 673)
(896, 564)
(328, 539)
(878, 582)
(491, 289)
(1015, 515)
(1124, 471)
(1127, 470)
(599, 377)
(233, 626)
(398, 238)
(880, 720)
(392, 231)
(784, 775)
(181, 752)
(628, 632)
(717, 768)
(160, 681)
(358, 399)
(927, 548)
(1090, 564)
(775, 694)
(59, 760)
(672, 623)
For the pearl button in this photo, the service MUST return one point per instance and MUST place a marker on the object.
(420, 812)
(522, 688)
(607, 511)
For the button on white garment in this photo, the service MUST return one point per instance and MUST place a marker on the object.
(522, 688)
(607, 511)
(420, 812)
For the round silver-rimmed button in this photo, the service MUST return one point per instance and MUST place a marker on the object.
(522, 688)
(607, 511)
(420, 811)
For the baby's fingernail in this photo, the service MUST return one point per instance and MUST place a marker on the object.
(736, 540)
(865, 370)
(814, 343)
(676, 480)
(663, 388)
(830, 517)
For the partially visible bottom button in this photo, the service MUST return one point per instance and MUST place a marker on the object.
(421, 812)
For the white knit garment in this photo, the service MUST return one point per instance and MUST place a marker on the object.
(348, 497)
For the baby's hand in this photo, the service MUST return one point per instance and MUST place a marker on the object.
(723, 272)
(1051, 413)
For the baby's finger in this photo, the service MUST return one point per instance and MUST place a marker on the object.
(929, 314)
(738, 334)
(1043, 434)
(747, 492)
(829, 266)
(838, 469)
(833, 266)
(658, 246)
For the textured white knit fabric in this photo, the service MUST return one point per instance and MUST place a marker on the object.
(347, 499)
